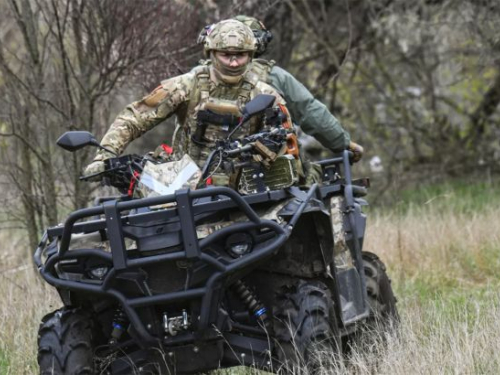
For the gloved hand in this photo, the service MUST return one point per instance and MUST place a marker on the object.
(357, 151)
(94, 167)
(163, 153)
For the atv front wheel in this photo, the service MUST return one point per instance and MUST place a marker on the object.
(305, 326)
(66, 343)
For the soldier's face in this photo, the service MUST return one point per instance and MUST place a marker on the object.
(233, 60)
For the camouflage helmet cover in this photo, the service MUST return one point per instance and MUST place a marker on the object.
(262, 35)
(251, 22)
(230, 35)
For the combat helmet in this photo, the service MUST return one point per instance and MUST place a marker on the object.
(262, 35)
(230, 35)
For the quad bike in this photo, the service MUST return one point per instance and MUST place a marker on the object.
(180, 276)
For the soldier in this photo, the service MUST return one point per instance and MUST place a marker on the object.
(312, 115)
(227, 84)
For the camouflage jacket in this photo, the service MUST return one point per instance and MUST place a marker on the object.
(310, 114)
(182, 96)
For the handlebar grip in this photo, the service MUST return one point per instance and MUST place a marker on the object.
(85, 178)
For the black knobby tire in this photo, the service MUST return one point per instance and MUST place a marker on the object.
(381, 298)
(66, 343)
(304, 324)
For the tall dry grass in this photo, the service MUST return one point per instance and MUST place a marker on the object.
(445, 267)
(445, 264)
(431, 242)
(24, 301)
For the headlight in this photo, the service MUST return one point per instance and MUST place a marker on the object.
(239, 244)
(98, 272)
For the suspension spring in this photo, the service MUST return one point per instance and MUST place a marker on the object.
(251, 301)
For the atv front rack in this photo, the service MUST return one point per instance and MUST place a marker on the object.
(189, 206)
(186, 209)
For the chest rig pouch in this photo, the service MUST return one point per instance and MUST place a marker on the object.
(217, 112)
(217, 116)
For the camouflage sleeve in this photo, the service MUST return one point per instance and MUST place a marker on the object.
(141, 116)
(312, 115)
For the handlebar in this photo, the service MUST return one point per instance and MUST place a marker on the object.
(103, 173)
(120, 171)
(239, 150)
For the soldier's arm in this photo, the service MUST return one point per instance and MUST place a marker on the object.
(143, 115)
(312, 115)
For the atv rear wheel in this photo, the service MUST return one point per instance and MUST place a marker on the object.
(383, 311)
(383, 318)
(66, 343)
(305, 325)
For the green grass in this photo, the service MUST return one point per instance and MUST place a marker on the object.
(457, 196)
(4, 363)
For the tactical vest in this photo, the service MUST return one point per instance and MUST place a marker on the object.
(239, 95)
(262, 68)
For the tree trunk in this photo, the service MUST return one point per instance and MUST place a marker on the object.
(486, 108)
(25, 180)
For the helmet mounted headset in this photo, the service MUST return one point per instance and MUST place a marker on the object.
(262, 36)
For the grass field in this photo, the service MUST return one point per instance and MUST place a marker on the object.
(442, 247)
